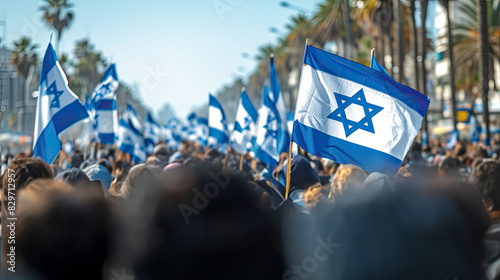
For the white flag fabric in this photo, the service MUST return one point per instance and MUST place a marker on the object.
(58, 108)
(244, 126)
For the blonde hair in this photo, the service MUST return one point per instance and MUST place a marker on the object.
(313, 195)
(348, 177)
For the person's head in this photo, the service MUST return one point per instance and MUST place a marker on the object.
(203, 217)
(486, 178)
(347, 180)
(448, 167)
(67, 228)
(99, 173)
(313, 195)
(140, 178)
(35, 193)
(23, 171)
(77, 179)
(161, 150)
(302, 175)
(120, 166)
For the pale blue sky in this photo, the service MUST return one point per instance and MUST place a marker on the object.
(175, 51)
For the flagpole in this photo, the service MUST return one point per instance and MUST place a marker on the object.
(288, 169)
(289, 166)
(371, 57)
(241, 162)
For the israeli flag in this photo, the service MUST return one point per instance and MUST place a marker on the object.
(151, 133)
(171, 134)
(353, 114)
(244, 126)
(202, 131)
(130, 117)
(268, 125)
(474, 130)
(374, 64)
(103, 104)
(276, 96)
(58, 108)
(452, 141)
(130, 141)
(217, 128)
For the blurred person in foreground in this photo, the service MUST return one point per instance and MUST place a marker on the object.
(486, 177)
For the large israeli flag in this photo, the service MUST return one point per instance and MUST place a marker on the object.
(353, 114)
(58, 108)
(244, 126)
(276, 96)
(217, 128)
(151, 133)
(268, 125)
(103, 105)
(130, 141)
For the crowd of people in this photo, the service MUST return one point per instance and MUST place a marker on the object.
(195, 213)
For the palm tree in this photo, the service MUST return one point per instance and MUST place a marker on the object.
(24, 59)
(401, 49)
(415, 44)
(348, 31)
(446, 5)
(423, 46)
(54, 17)
(88, 66)
(484, 52)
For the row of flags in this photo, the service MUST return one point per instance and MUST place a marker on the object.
(345, 111)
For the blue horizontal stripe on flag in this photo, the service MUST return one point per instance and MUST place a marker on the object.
(219, 135)
(265, 157)
(48, 144)
(358, 73)
(106, 104)
(127, 148)
(49, 61)
(107, 138)
(344, 152)
(247, 104)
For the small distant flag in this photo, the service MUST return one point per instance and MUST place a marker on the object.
(171, 133)
(202, 131)
(474, 130)
(58, 108)
(151, 133)
(353, 114)
(217, 128)
(103, 107)
(452, 141)
(130, 117)
(244, 126)
(276, 96)
(130, 137)
(268, 130)
(374, 65)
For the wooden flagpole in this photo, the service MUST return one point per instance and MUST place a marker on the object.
(241, 161)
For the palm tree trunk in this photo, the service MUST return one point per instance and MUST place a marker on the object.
(389, 21)
(401, 49)
(382, 40)
(483, 62)
(423, 43)
(347, 23)
(415, 46)
(452, 67)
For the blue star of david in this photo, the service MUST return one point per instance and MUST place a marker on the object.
(248, 121)
(96, 118)
(350, 126)
(269, 131)
(52, 90)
